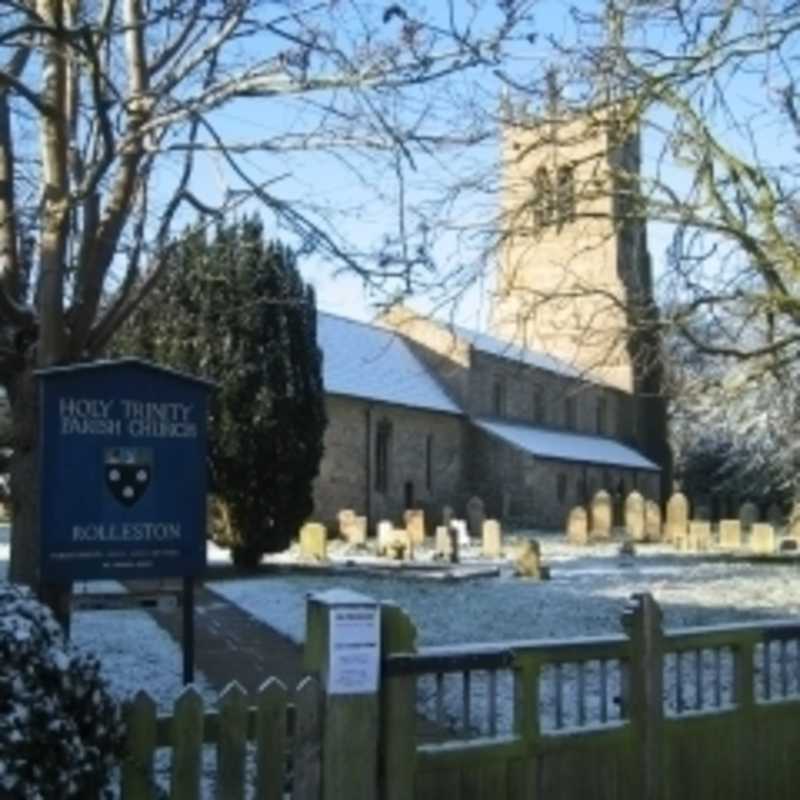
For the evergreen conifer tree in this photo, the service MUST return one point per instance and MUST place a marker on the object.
(235, 310)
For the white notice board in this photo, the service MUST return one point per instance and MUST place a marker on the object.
(354, 650)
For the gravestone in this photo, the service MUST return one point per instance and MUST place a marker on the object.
(677, 525)
(528, 563)
(652, 521)
(762, 539)
(462, 536)
(748, 515)
(385, 532)
(314, 541)
(492, 541)
(775, 516)
(442, 546)
(352, 528)
(578, 526)
(789, 545)
(699, 538)
(476, 514)
(730, 534)
(414, 519)
(601, 515)
(400, 546)
(634, 516)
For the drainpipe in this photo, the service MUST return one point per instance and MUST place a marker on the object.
(368, 466)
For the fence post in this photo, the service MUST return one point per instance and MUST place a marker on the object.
(642, 622)
(398, 747)
(343, 649)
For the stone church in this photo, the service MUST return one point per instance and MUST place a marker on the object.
(562, 396)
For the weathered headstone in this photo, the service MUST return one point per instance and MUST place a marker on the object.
(528, 563)
(385, 536)
(401, 546)
(414, 519)
(492, 541)
(352, 528)
(789, 545)
(460, 526)
(578, 526)
(652, 521)
(634, 516)
(314, 541)
(699, 538)
(762, 539)
(730, 534)
(476, 514)
(775, 516)
(442, 545)
(601, 515)
(677, 518)
(748, 515)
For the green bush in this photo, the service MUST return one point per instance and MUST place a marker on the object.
(60, 730)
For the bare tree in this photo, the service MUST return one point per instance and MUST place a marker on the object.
(710, 90)
(117, 124)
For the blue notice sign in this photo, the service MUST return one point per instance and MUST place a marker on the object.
(123, 472)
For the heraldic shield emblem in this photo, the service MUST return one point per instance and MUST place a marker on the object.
(128, 471)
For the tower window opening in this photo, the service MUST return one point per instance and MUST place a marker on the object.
(542, 199)
(499, 397)
(565, 190)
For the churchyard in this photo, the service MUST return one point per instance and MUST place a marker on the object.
(488, 611)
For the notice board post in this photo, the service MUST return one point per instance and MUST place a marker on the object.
(343, 648)
(123, 476)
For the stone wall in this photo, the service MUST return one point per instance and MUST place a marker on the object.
(347, 476)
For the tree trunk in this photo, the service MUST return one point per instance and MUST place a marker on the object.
(23, 397)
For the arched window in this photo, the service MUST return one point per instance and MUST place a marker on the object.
(498, 397)
(538, 405)
(570, 413)
(561, 487)
(601, 414)
(565, 191)
(383, 446)
(542, 199)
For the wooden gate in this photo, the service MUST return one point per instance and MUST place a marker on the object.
(649, 715)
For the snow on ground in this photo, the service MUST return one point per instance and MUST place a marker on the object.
(135, 653)
(586, 595)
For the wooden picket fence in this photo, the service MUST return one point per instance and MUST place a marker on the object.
(283, 740)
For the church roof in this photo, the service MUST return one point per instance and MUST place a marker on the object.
(362, 360)
(566, 446)
(485, 343)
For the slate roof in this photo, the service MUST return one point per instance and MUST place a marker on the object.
(373, 363)
(484, 343)
(566, 446)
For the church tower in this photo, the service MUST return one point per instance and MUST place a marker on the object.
(574, 276)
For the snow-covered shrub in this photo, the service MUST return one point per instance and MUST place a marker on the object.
(60, 730)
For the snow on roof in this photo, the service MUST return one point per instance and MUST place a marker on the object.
(484, 343)
(566, 446)
(362, 360)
